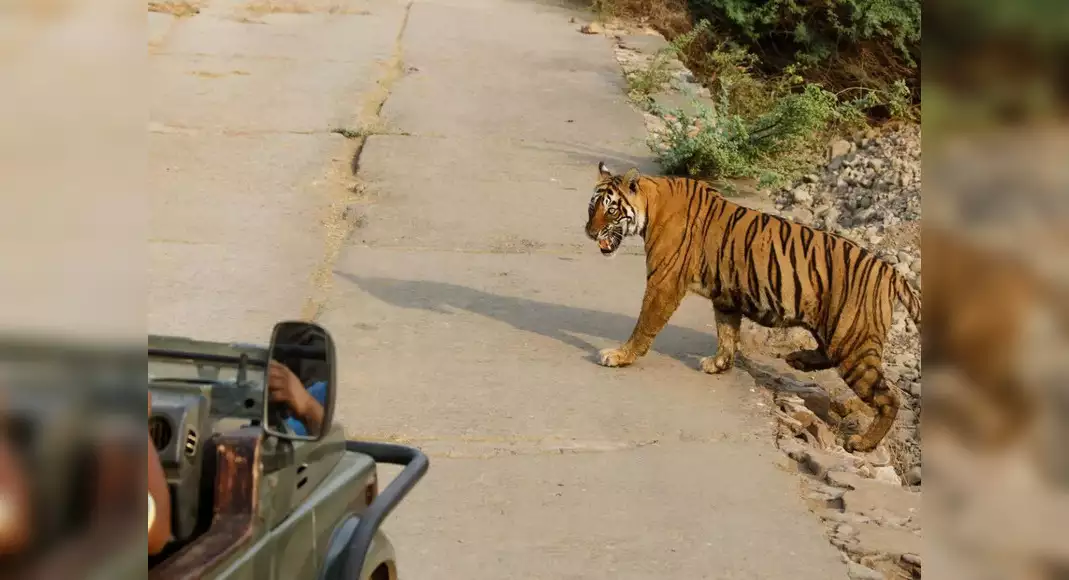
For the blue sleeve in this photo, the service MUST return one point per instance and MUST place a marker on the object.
(319, 392)
(296, 426)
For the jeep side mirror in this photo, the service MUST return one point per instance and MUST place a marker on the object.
(300, 382)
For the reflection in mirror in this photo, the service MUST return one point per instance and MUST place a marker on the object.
(298, 377)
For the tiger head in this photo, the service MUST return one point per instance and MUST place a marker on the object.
(616, 210)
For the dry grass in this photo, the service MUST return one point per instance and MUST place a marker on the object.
(176, 8)
(263, 7)
(669, 17)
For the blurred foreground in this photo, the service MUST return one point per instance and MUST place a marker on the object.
(996, 300)
(72, 388)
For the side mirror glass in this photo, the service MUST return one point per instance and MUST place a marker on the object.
(300, 382)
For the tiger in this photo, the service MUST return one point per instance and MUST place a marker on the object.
(752, 264)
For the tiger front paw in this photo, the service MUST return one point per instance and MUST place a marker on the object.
(615, 357)
(717, 363)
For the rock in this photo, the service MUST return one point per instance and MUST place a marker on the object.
(819, 434)
(881, 540)
(831, 218)
(789, 424)
(646, 44)
(688, 104)
(846, 544)
(804, 416)
(904, 257)
(841, 478)
(916, 266)
(838, 149)
(838, 516)
(811, 178)
(825, 493)
(858, 572)
(800, 195)
(915, 389)
(803, 215)
(907, 417)
(887, 474)
(874, 499)
(877, 457)
(903, 268)
(822, 464)
(793, 448)
(845, 531)
(592, 28)
(913, 476)
(911, 559)
(876, 163)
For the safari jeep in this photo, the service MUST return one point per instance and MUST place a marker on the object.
(256, 493)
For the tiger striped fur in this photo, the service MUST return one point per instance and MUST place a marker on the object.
(756, 265)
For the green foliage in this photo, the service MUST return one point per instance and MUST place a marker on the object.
(771, 146)
(771, 127)
(818, 29)
(643, 83)
(788, 74)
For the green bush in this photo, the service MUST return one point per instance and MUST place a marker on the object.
(866, 43)
(771, 147)
(643, 83)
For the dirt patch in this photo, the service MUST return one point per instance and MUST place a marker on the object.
(176, 8)
(264, 7)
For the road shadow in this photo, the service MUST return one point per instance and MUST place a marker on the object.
(556, 321)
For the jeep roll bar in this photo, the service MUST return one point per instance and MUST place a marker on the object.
(352, 539)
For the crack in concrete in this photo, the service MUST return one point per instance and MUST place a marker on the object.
(338, 224)
(168, 129)
(560, 252)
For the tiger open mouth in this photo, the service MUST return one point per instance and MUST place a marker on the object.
(609, 242)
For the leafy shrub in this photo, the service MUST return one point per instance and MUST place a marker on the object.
(817, 29)
(643, 83)
(845, 45)
(771, 147)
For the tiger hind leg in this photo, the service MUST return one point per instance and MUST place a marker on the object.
(809, 361)
(864, 375)
(727, 338)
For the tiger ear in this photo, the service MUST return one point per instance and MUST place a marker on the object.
(603, 170)
(631, 179)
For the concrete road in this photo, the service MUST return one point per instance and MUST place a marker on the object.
(455, 276)
(245, 169)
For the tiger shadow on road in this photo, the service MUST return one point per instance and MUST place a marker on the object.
(556, 321)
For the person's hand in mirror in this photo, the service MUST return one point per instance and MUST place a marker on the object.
(306, 404)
